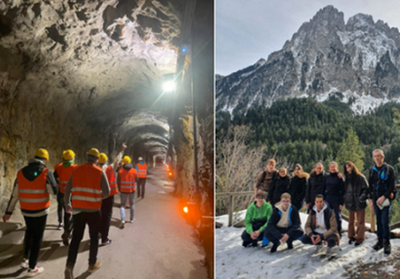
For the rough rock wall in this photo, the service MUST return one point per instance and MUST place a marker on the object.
(82, 74)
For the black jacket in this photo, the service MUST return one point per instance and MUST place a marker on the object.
(314, 186)
(297, 189)
(333, 186)
(385, 188)
(278, 186)
(356, 193)
(294, 220)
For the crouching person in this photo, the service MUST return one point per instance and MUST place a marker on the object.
(321, 226)
(284, 224)
(257, 216)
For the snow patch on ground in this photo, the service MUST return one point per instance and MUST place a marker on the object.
(235, 261)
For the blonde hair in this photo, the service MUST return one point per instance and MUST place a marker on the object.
(286, 196)
(283, 169)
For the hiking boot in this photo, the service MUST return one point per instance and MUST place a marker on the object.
(64, 237)
(36, 271)
(290, 245)
(318, 248)
(104, 243)
(274, 247)
(378, 245)
(68, 273)
(94, 267)
(357, 244)
(60, 226)
(25, 263)
(387, 246)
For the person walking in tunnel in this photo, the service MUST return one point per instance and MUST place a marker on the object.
(284, 224)
(85, 190)
(256, 220)
(142, 170)
(107, 204)
(297, 188)
(127, 177)
(60, 204)
(32, 187)
(333, 191)
(265, 178)
(382, 186)
(62, 175)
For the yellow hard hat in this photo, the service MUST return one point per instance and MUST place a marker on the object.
(103, 158)
(126, 160)
(94, 152)
(42, 153)
(68, 155)
(62, 156)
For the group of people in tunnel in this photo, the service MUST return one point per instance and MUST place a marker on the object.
(274, 215)
(85, 195)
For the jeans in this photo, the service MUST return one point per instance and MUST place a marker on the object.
(334, 203)
(106, 213)
(33, 238)
(93, 220)
(60, 208)
(296, 234)
(383, 220)
(124, 197)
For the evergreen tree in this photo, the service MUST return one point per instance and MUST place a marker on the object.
(350, 150)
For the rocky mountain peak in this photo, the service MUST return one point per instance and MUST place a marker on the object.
(357, 62)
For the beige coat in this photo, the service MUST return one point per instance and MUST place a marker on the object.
(311, 225)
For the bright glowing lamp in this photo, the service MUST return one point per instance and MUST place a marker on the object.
(169, 86)
(185, 209)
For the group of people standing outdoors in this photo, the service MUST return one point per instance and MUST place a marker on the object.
(274, 215)
(85, 195)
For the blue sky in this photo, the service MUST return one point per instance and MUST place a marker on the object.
(247, 30)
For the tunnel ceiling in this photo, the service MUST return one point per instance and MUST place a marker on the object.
(101, 60)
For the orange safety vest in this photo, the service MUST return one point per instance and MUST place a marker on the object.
(142, 173)
(33, 195)
(57, 166)
(86, 190)
(111, 181)
(128, 180)
(64, 175)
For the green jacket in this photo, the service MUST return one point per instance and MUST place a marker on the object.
(257, 214)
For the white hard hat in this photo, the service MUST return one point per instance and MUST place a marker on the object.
(140, 159)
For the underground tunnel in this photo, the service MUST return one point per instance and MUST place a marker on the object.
(79, 74)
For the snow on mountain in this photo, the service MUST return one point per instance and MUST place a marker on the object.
(358, 60)
(235, 261)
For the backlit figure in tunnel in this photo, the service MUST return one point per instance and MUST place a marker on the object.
(62, 173)
(107, 204)
(142, 169)
(127, 177)
(32, 188)
(86, 189)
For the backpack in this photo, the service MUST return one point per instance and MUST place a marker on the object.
(383, 176)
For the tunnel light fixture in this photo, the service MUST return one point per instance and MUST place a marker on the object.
(169, 86)
(186, 209)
